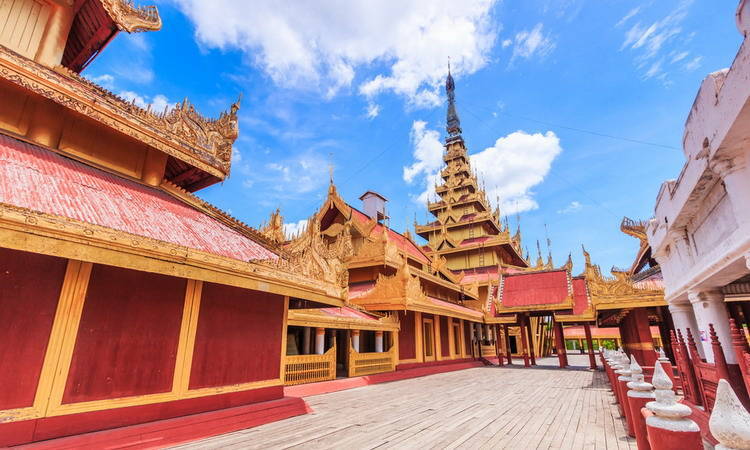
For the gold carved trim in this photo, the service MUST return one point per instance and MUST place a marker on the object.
(131, 18)
(25, 230)
(181, 132)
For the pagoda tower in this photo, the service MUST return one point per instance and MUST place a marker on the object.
(466, 231)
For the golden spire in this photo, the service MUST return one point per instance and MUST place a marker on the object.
(569, 263)
(539, 260)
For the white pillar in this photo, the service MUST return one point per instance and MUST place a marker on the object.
(480, 332)
(320, 341)
(683, 318)
(355, 340)
(487, 332)
(379, 341)
(305, 341)
(709, 308)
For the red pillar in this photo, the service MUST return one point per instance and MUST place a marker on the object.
(590, 345)
(524, 342)
(562, 355)
(636, 337)
(507, 344)
(531, 341)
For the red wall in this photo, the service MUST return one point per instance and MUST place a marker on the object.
(29, 290)
(467, 336)
(406, 336)
(127, 339)
(238, 338)
(444, 335)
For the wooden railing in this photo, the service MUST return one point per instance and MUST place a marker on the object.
(301, 369)
(371, 363)
(488, 351)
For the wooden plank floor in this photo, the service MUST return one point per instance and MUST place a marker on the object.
(488, 407)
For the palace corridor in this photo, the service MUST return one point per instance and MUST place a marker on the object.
(488, 407)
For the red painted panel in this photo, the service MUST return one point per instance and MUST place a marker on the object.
(29, 290)
(67, 425)
(444, 334)
(35, 178)
(537, 288)
(406, 338)
(127, 339)
(238, 338)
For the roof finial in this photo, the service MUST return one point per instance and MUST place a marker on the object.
(453, 126)
(330, 168)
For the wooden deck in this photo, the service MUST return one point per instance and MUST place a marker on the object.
(488, 407)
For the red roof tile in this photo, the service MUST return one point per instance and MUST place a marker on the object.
(40, 180)
(454, 307)
(475, 240)
(400, 240)
(348, 313)
(580, 296)
(360, 289)
(536, 288)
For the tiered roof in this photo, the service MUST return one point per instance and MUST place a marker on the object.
(464, 221)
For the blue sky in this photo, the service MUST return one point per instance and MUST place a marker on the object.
(541, 84)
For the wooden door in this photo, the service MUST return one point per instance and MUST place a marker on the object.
(428, 339)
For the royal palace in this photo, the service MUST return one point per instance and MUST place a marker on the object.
(127, 300)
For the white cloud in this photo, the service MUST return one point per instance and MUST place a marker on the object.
(514, 165)
(158, 103)
(651, 42)
(321, 45)
(532, 43)
(294, 228)
(373, 109)
(694, 63)
(653, 70)
(628, 16)
(507, 43)
(574, 206)
(428, 155)
(678, 56)
(104, 80)
(509, 169)
(297, 175)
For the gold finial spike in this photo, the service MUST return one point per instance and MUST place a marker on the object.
(330, 168)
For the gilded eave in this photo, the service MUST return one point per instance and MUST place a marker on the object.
(618, 291)
(315, 318)
(131, 18)
(182, 133)
(403, 291)
(31, 231)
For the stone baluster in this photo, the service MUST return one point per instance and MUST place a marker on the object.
(741, 351)
(639, 393)
(608, 362)
(730, 421)
(622, 381)
(666, 364)
(667, 422)
(615, 365)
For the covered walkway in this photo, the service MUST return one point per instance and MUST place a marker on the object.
(487, 407)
